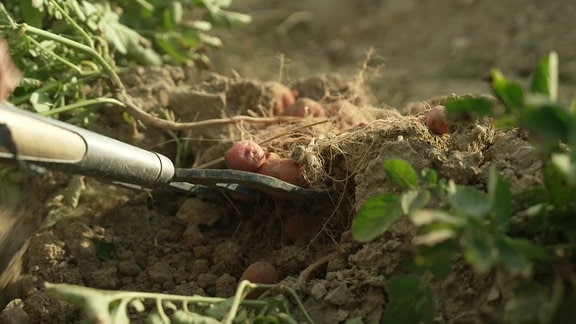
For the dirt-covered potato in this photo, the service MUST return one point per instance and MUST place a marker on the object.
(245, 155)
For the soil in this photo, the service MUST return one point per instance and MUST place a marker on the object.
(122, 239)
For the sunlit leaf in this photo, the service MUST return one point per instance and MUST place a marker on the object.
(545, 78)
(428, 216)
(375, 215)
(560, 191)
(414, 200)
(508, 92)
(434, 237)
(401, 173)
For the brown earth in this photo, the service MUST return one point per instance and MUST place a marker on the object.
(165, 242)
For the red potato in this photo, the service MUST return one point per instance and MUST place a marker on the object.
(436, 120)
(305, 107)
(245, 155)
(259, 272)
(283, 169)
(282, 96)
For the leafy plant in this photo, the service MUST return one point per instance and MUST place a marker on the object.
(66, 47)
(104, 306)
(495, 229)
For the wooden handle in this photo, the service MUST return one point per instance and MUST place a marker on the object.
(38, 141)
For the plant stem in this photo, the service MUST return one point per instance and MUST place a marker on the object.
(115, 79)
(56, 56)
(84, 103)
(74, 24)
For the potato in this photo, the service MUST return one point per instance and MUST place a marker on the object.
(245, 155)
(436, 120)
(259, 272)
(283, 169)
(282, 96)
(305, 107)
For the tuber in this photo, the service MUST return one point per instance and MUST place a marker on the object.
(282, 97)
(245, 155)
(259, 272)
(305, 107)
(436, 120)
(283, 169)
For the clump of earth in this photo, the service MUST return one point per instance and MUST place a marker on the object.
(173, 243)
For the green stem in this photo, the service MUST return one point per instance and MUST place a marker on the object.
(238, 297)
(56, 56)
(79, 46)
(298, 302)
(84, 103)
(74, 24)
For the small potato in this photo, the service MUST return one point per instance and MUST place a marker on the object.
(259, 272)
(305, 107)
(245, 155)
(282, 96)
(283, 169)
(436, 120)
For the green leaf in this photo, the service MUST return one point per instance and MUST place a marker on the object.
(513, 259)
(429, 216)
(430, 177)
(500, 200)
(545, 78)
(469, 201)
(434, 237)
(40, 101)
(548, 122)
(411, 301)
(479, 250)
(475, 107)
(508, 92)
(414, 200)
(560, 192)
(32, 12)
(529, 304)
(435, 259)
(566, 165)
(401, 174)
(375, 215)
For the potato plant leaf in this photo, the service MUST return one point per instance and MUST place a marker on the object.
(476, 107)
(508, 92)
(545, 78)
(479, 250)
(411, 301)
(513, 259)
(550, 123)
(500, 200)
(469, 201)
(414, 200)
(401, 173)
(560, 191)
(375, 215)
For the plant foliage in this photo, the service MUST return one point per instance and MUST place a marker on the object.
(524, 235)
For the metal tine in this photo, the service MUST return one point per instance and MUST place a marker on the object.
(225, 178)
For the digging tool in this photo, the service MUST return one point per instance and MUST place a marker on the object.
(49, 143)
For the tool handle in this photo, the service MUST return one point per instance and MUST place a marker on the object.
(64, 147)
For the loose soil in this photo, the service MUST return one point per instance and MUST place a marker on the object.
(168, 242)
